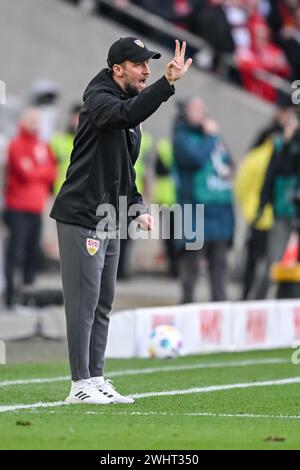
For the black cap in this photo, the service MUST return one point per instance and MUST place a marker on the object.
(129, 49)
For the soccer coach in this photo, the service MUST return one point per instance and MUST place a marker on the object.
(101, 169)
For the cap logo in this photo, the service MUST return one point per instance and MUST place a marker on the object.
(139, 43)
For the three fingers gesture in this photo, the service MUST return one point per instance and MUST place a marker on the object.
(178, 67)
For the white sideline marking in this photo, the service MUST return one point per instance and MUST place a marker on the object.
(210, 388)
(30, 406)
(203, 365)
(204, 415)
(8, 383)
(195, 414)
(216, 388)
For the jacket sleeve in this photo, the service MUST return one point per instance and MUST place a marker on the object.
(109, 111)
(191, 154)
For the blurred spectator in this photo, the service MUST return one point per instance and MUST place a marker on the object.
(291, 45)
(164, 194)
(45, 95)
(176, 11)
(30, 175)
(284, 113)
(264, 55)
(237, 17)
(143, 164)
(62, 145)
(248, 186)
(203, 173)
(210, 22)
(267, 9)
(287, 8)
(281, 189)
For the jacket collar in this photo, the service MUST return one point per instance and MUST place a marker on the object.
(103, 81)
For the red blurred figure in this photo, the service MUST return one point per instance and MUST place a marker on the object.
(264, 55)
(30, 174)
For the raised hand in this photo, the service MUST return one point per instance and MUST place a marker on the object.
(177, 67)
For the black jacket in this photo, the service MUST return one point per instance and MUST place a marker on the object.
(106, 147)
(284, 162)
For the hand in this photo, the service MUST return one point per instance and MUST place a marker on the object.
(257, 217)
(211, 127)
(145, 222)
(290, 129)
(177, 68)
(26, 164)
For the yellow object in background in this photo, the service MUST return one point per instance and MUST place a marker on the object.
(248, 185)
(285, 273)
(62, 146)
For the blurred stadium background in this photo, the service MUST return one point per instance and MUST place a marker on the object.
(49, 51)
(55, 47)
(58, 45)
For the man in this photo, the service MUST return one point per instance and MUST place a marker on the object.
(101, 170)
(30, 175)
(203, 169)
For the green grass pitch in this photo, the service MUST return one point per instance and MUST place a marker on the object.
(265, 416)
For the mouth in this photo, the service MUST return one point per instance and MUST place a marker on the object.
(142, 83)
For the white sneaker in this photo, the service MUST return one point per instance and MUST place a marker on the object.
(84, 391)
(106, 387)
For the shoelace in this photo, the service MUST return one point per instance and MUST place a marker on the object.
(108, 384)
(107, 388)
(90, 388)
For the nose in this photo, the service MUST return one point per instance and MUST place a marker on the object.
(146, 68)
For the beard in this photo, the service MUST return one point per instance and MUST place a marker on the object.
(131, 90)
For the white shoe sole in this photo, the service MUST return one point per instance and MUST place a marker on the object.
(89, 401)
(129, 401)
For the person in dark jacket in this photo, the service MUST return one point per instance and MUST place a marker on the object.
(101, 170)
(210, 23)
(290, 42)
(257, 239)
(203, 168)
(281, 190)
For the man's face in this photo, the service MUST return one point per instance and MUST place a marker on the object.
(134, 76)
(31, 120)
(196, 112)
(286, 115)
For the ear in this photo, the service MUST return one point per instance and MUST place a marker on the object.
(118, 71)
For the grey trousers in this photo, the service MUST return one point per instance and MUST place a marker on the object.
(89, 270)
